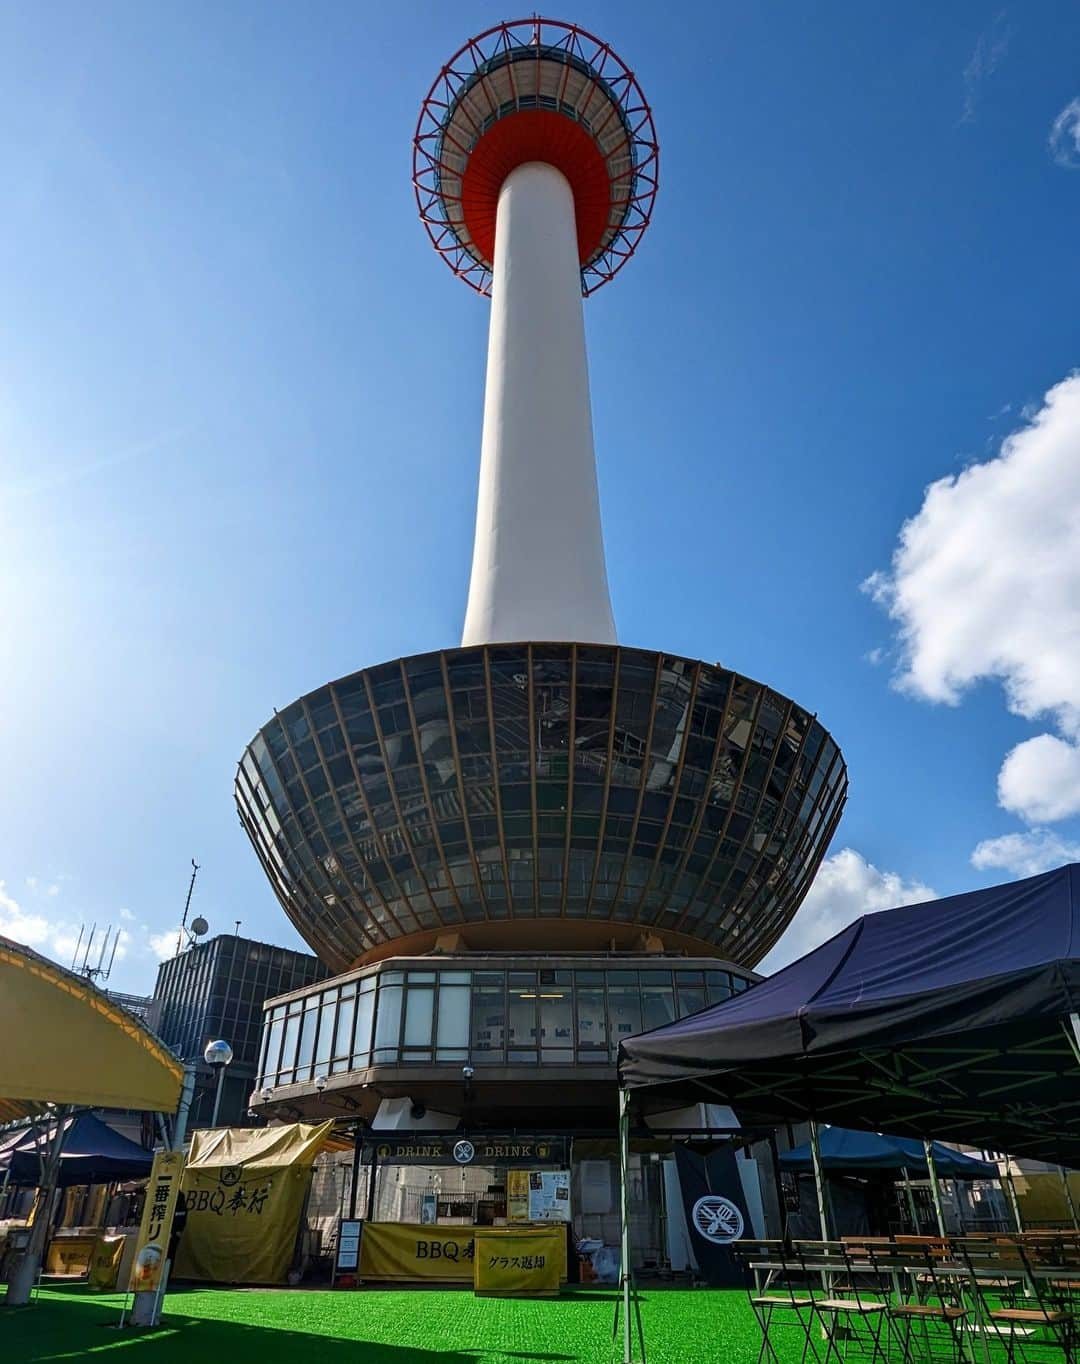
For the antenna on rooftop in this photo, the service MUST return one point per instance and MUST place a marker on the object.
(100, 971)
(187, 906)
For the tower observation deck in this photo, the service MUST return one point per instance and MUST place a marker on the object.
(540, 787)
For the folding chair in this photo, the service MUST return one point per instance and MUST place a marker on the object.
(1039, 1326)
(781, 1303)
(853, 1321)
(932, 1309)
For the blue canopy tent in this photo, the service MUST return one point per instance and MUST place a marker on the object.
(956, 1018)
(845, 1151)
(92, 1153)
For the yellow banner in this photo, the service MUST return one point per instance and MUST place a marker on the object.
(400, 1251)
(406, 1253)
(161, 1194)
(241, 1225)
(245, 1191)
(517, 1195)
(525, 1262)
(105, 1262)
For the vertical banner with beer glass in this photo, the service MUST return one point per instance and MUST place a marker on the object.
(161, 1194)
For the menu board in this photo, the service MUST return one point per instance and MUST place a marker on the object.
(538, 1195)
(549, 1195)
(348, 1251)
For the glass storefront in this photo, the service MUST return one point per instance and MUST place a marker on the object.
(432, 1016)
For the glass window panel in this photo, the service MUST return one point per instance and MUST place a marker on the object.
(624, 1006)
(453, 1032)
(388, 1023)
(306, 1049)
(365, 1009)
(419, 1004)
(691, 999)
(326, 1032)
(657, 1002)
(522, 1011)
(273, 1049)
(488, 1018)
(556, 1021)
(591, 1022)
(718, 985)
(288, 1047)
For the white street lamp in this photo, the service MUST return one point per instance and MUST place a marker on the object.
(218, 1055)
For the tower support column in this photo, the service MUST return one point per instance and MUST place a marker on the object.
(538, 569)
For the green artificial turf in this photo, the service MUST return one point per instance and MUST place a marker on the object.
(235, 1326)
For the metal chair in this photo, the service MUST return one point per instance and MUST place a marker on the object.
(781, 1303)
(852, 1319)
(1040, 1325)
(926, 1301)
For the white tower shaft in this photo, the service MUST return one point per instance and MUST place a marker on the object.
(538, 570)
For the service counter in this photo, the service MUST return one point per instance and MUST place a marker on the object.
(403, 1252)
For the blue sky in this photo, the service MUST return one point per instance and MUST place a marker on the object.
(240, 411)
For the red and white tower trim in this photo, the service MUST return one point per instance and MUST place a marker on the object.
(535, 166)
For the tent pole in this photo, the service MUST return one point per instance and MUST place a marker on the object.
(624, 1217)
(1009, 1189)
(26, 1271)
(778, 1180)
(1068, 1196)
(912, 1210)
(183, 1108)
(935, 1187)
(372, 1171)
(357, 1155)
(819, 1181)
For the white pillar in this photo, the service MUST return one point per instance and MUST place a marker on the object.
(538, 569)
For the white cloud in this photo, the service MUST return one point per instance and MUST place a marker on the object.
(845, 887)
(1040, 779)
(34, 929)
(985, 580)
(1025, 854)
(54, 889)
(163, 945)
(1065, 136)
(989, 53)
(57, 938)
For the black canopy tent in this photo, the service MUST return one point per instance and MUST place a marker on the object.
(92, 1153)
(955, 1019)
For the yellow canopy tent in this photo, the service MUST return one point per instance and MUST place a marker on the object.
(66, 1042)
(245, 1190)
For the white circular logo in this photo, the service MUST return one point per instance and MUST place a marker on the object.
(717, 1219)
(464, 1151)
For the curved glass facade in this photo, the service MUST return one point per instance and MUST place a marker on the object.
(593, 785)
(490, 1015)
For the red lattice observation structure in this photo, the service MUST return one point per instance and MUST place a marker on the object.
(535, 90)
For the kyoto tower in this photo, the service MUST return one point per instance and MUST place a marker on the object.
(541, 788)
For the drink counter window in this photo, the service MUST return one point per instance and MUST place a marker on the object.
(439, 1017)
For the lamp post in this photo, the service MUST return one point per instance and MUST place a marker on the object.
(218, 1055)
